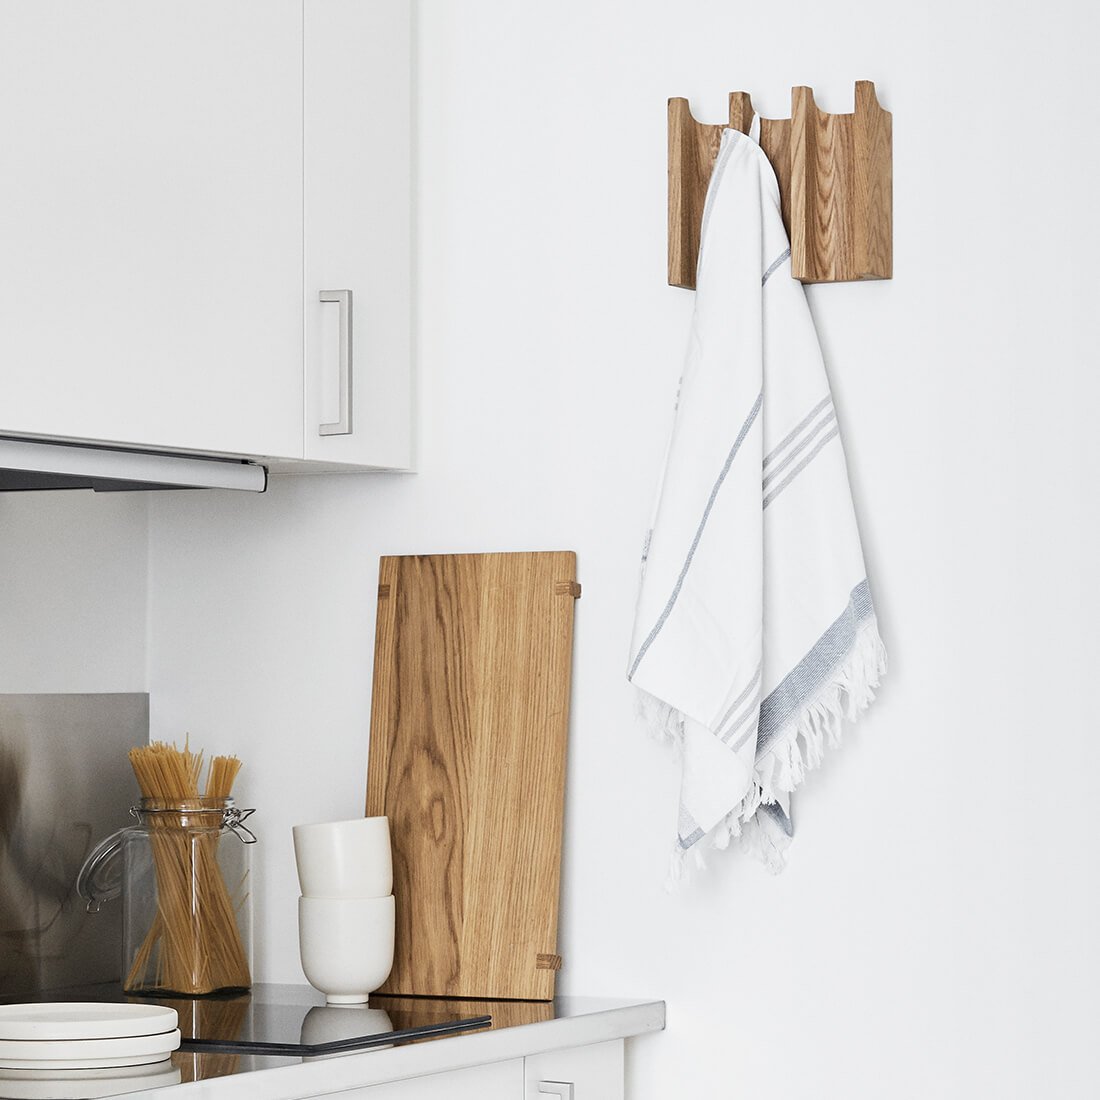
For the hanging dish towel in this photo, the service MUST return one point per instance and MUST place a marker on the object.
(755, 635)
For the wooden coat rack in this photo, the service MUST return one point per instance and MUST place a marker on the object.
(835, 177)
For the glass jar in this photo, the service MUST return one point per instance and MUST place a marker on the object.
(186, 893)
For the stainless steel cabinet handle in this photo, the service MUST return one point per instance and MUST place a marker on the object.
(343, 425)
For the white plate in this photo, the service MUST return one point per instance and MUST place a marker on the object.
(69, 1064)
(79, 1084)
(84, 1020)
(88, 1053)
(95, 1048)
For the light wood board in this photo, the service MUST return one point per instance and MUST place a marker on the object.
(469, 720)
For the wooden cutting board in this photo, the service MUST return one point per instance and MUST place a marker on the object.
(467, 759)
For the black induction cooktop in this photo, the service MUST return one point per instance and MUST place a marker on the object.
(292, 1021)
(242, 1026)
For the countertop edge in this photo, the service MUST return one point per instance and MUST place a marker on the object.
(422, 1059)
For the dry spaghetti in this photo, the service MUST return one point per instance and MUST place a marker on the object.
(194, 944)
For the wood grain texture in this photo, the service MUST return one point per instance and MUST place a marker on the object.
(835, 175)
(469, 720)
(504, 1013)
(692, 148)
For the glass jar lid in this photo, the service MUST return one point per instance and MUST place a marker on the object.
(100, 879)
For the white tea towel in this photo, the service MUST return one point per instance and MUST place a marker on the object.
(755, 634)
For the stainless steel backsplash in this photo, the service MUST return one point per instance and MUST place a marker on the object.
(65, 783)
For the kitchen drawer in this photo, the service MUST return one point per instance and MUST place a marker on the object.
(581, 1073)
(497, 1081)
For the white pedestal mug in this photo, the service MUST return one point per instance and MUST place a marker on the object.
(346, 945)
(345, 859)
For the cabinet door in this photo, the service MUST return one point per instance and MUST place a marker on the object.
(497, 1081)
(358, 231)
(151, 222)
(582, 1073)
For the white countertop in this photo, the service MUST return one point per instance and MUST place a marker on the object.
(519, 1029)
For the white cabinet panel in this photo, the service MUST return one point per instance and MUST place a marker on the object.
(497, 1081)
(151, 222)
(358, 226)
(582, 1073)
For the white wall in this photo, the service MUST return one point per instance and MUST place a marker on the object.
(72, 592)
(934, 935)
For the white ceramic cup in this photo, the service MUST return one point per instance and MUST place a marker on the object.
(345, 859)
(346, 945)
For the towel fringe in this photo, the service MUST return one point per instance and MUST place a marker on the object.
(766, 842)
(800, 747)
(678, 866)
(796, 751)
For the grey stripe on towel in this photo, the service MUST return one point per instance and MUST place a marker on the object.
(663, 618)
(800, 467)
(803, 443)
(688, 830)
(796, 430)
(804, 681)
(750, 729)
(775, 263)
(740, 698)
(751, 711)
(716, 173)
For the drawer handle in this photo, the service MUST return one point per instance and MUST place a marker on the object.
(561, 1089)
(343, 425)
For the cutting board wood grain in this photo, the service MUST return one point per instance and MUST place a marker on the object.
(469, 721)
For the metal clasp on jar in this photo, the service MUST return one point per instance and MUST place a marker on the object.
(233, 819)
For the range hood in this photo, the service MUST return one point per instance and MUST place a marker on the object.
(27, 465)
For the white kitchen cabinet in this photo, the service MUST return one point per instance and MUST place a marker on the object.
(580, 1073)
(572, 1049)
(358, 229)
(150, 214)
(498, 1081)
(171, 168)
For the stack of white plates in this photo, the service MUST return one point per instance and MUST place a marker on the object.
(84, 1084)
(93, 1044)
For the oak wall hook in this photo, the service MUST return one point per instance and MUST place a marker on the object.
(835, 177)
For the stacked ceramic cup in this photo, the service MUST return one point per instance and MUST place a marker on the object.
(345, 913)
